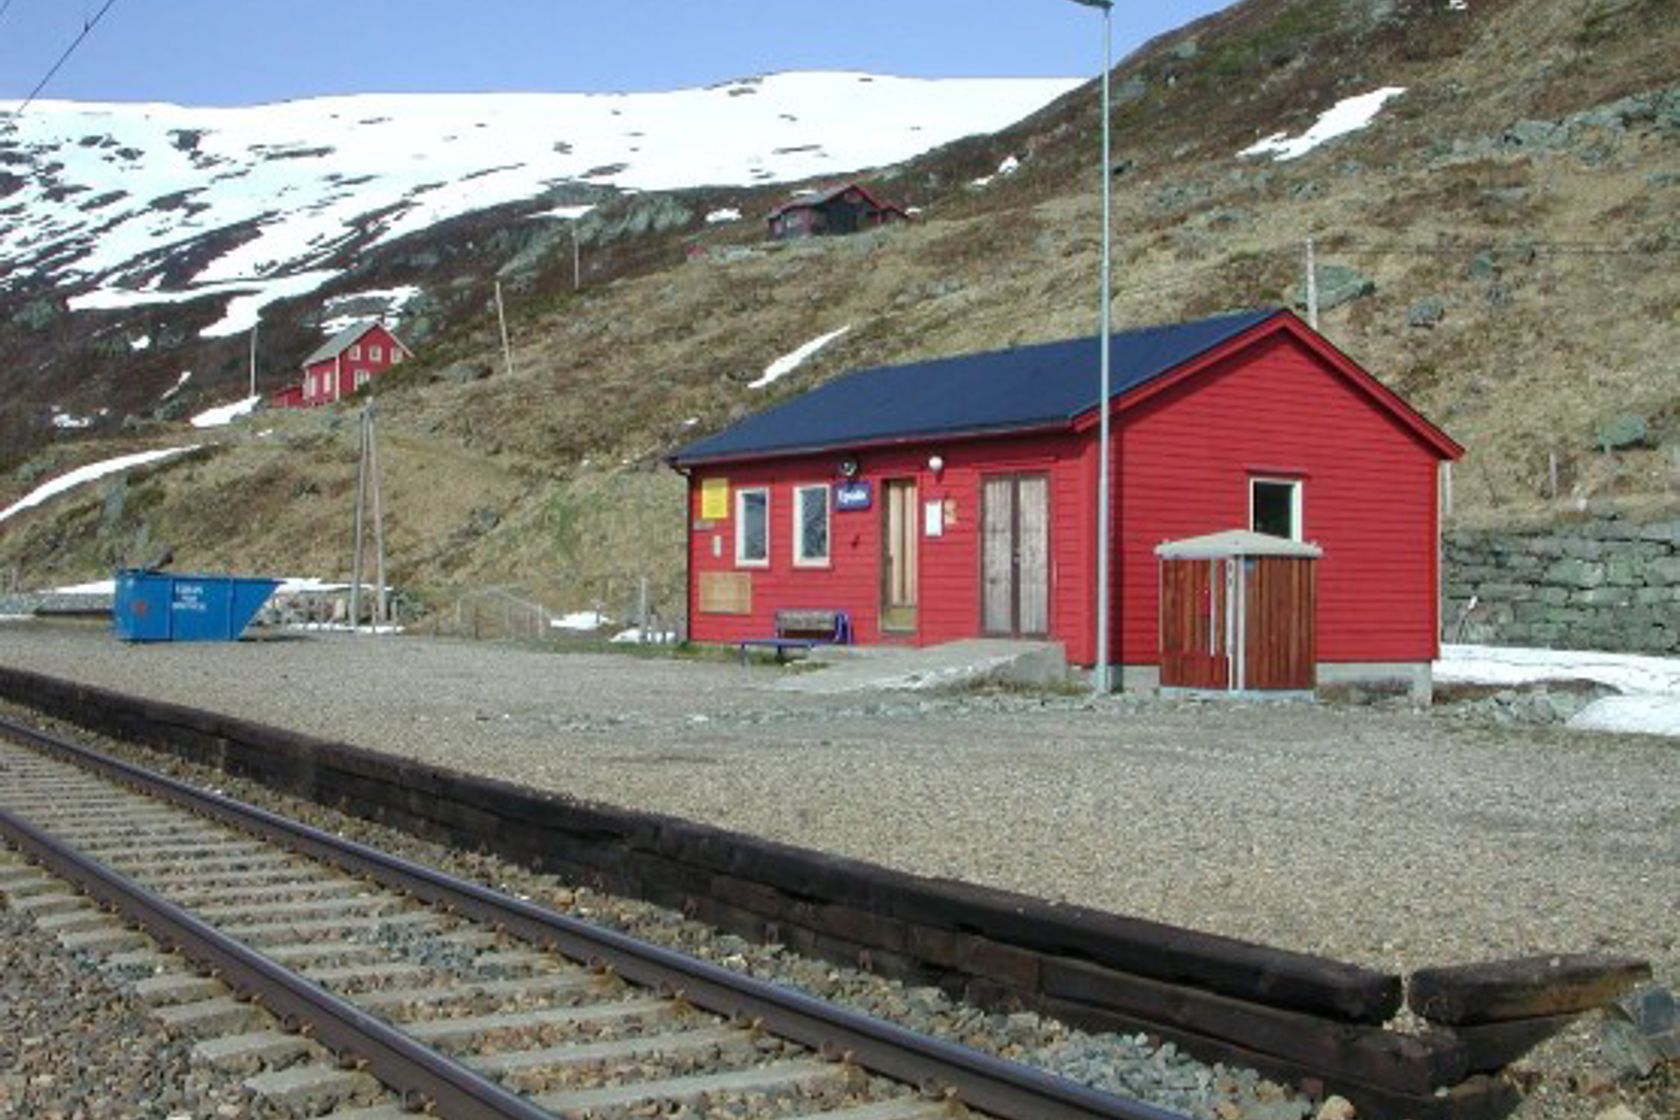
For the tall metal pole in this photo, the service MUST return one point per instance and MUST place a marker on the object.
(1105, 524)
(1105, 512)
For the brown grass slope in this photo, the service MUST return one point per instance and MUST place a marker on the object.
(1551, 251)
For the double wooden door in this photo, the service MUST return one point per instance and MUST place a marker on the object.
(1015, 555)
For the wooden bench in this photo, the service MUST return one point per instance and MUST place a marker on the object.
(803, 630)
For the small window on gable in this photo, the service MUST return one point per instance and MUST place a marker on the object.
(355, 351)
(752, 528)
(375, 353)
(810, 526)
(396, 356)
(1274, 507)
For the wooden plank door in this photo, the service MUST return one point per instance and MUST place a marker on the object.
(898, 555)
(1015, 555)
(1193, 625)
(1280, 649)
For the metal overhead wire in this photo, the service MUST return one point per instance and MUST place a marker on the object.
(87, 27)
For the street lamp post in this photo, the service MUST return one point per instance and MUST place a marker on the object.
(1105, 513)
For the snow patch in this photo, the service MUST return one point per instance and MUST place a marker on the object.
(392, 299)
(565, 213)
(1009, 166)
(88, 473)
(69, 421)
(581, 620)
(1625, 672)
(636, 636)
(787, 363)
(1650, 703)
(727, 214)
(1347, 115)
(225, 414)
(180, 383)
(243, 311)
(142, 343)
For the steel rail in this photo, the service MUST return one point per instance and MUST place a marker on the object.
(980, 1081)
(411, 1068)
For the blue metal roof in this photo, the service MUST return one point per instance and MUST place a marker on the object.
(1025, 387)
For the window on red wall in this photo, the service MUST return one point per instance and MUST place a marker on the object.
(752, 528)
(355, 351)
(1274, 507)
(375, 353)
(810, 526)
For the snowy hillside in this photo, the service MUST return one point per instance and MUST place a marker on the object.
(266, 199)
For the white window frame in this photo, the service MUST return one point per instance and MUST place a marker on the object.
(1297, 501)
(800, 560)
(396, 355)
(355, 351)
(376, 353)
(363, 377)
(741, 559)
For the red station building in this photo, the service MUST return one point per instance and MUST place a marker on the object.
(956, 498)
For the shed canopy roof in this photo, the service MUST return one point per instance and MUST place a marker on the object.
(1026, 387)
(1235, 542)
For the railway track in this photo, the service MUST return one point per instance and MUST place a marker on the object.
(354, 983)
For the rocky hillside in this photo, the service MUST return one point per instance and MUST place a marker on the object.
(1498, 242)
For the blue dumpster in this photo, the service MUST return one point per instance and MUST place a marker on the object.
(166, 607)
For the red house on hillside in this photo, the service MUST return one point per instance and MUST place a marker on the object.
(344, 363)
(956, 498)
(847, 208)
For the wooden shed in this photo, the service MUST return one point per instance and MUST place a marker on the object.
(1239, 613)
(956, 497)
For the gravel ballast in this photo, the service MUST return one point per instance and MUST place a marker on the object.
(1385, 836)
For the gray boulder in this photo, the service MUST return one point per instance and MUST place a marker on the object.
(1426, 312)
(1629, 429)
(1337, 284)
(464, 373)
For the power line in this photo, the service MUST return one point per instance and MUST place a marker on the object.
(87, 28)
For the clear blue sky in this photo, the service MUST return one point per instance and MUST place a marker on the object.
(235, 52)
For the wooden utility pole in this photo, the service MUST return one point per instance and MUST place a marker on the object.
(1312, 287)
(254, 327)
(367, 481)
(356, 545)
(501, 318)
(382, 604)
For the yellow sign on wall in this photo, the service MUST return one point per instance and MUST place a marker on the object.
(714, 499)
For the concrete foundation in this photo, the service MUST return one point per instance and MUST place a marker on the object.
(1413, 679)
(977, 661)
(1416, 679)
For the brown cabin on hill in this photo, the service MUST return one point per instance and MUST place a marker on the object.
(847, 208)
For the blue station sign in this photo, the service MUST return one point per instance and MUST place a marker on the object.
(853, 495)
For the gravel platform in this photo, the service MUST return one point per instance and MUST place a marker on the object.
(1389, 836)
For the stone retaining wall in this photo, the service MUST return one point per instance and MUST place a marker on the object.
(1603, 583)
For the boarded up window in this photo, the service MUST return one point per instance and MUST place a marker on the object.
(726, 592)
(714, 499)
